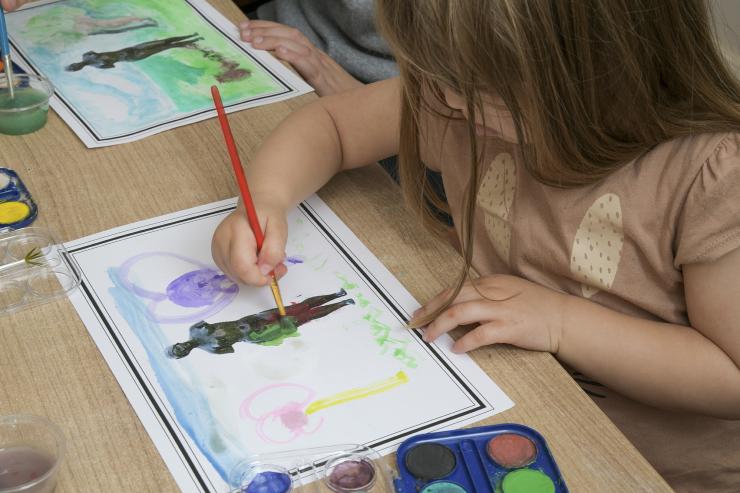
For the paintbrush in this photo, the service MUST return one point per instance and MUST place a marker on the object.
(241, 180)
(5, 48)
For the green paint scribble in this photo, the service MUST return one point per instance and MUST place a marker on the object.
(381, 333)
(396, 347)
(362, 302)
(346, 284)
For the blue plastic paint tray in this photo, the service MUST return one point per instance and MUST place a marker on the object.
(33, 269)
(506, 458)
(17, 208)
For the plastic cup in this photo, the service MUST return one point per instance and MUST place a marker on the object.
(31, 450)
(27, 109)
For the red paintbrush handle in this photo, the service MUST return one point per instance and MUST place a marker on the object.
(238, 171)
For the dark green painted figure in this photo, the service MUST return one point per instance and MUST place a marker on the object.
(262, 328)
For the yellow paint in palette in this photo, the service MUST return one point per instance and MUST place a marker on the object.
(17, 208)
(13, 212)
(358, 393)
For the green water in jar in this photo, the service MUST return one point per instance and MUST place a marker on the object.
(23, 121)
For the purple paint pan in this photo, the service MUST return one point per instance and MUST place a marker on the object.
(350, 474)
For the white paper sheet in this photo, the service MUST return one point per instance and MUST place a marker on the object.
(353, 376)
(121, 71)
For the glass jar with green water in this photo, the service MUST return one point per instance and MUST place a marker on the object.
(24, 109)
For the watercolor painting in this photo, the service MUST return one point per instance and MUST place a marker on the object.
(146, 63)
(215, 377)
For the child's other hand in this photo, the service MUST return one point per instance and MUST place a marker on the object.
(235, 251)
(10, 5)
(289, 44)
(517, 312)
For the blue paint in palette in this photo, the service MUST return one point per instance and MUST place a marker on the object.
(269, 482)
(477, 460)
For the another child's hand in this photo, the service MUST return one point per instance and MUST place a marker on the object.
(235, 251)
(10, 5)
(517, 312)
(289, 44)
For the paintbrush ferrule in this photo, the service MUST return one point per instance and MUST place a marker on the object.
(276, 294)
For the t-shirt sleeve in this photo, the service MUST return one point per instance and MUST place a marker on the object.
(709, 222)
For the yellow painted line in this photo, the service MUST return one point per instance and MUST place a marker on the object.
(358, 393)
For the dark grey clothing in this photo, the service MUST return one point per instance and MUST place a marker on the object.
(344, 29)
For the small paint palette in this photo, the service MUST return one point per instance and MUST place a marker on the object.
(348, 468)
(17, 208)
(33, 269)
(507, 458)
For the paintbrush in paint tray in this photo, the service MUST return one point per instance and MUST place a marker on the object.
(241, 180)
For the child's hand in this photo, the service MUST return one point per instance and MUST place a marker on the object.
(235, 251)
(289, 44)
(517, 312)
(10, 5)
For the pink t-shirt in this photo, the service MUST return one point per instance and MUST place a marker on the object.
(621, 243)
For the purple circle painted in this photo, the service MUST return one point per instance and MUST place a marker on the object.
(199, 288)
(352, 475)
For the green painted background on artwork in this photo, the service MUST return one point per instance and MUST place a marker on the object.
(185, 74)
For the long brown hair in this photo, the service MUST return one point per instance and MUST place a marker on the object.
(593, 84)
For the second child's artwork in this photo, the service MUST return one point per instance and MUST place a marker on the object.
(125, 70)
(215, 376)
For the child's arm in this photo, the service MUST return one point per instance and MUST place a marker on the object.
(335, 133)
(687, 368)
(694, 369)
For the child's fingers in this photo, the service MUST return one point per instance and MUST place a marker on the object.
(307, 66)
(483, 335)
(257, 22)
(280, 271)
(242, 258)
(282, 32)
(467, 293)
(234, 250)
(260, 24)
(465, 313)
(275, 44)
(273, 246)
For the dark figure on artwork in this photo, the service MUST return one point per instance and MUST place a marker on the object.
(133, 53)
(262, 328)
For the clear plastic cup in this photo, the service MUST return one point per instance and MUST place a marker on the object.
(26, 108)
(31, 450)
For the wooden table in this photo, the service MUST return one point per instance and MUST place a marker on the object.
(50, 366)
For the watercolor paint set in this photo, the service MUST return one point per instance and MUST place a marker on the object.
(33, 269)
(346, 468)
(506, 458)
(17, 208)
